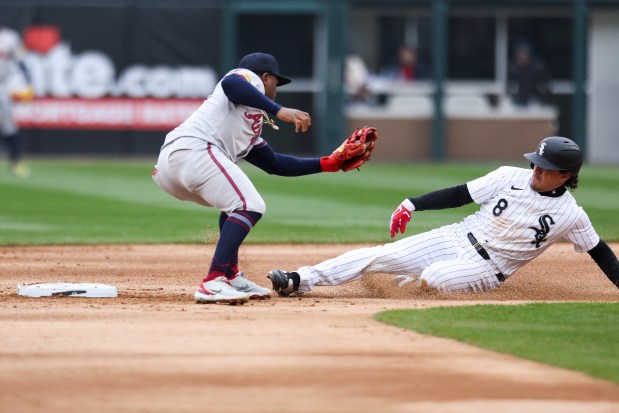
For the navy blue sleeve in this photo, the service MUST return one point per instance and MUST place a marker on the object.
(606, 259)
(444, 198)
(265, 158)
(241, 92)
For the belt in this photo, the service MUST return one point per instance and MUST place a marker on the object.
(481, 251)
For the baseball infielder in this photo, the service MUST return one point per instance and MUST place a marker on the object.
(198, 159)
(11, 52)
(522, 213)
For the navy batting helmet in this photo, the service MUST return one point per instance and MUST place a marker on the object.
(557, 153)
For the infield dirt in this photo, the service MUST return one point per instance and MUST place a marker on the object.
(153, 350)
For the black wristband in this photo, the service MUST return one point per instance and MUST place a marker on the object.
(453, 197)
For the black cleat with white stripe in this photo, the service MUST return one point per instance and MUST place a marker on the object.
(285, 283)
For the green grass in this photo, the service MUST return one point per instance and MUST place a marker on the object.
(104, 201)
(578, 336)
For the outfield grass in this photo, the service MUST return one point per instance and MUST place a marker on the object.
(103, 201)
(577, 336)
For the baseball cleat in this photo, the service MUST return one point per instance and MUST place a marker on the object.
(253, 290)
(19, 169)
(285, 283)
(219, 290)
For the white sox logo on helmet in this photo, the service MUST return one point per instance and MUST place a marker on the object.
(541, 148)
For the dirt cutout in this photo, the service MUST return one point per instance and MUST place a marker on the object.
(153, 350)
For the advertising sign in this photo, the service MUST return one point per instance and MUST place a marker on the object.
(117, 67)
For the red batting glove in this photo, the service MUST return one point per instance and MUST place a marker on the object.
(400, 217)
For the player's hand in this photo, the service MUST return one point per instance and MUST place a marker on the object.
(400, 217)
(402, 280)
(301, 120)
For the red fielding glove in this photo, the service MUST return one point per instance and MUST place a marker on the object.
(345, 151)
(401, 216)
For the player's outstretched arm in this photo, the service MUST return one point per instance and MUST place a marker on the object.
(354, 152)
(606, 259)
(453, 197)
(300, 119)
(265, 158)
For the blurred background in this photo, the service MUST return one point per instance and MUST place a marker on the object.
(442, 80)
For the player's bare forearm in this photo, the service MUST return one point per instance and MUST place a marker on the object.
(301, 120)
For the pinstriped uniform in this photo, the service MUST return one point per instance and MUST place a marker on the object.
(529, 223)
(198, 159)
(514, 225)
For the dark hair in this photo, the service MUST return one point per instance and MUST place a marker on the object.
(571, 183)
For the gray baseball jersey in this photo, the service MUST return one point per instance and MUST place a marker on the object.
(234, 129)
(198, 159)
(514, 225)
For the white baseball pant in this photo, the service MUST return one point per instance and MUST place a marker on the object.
(443, 258)
(192, 169)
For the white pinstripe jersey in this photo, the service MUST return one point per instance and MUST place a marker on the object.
(235, 129)
(516, 224)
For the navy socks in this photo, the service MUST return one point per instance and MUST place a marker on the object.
(233, 229)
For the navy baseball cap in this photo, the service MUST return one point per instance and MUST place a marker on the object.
(263, 63)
